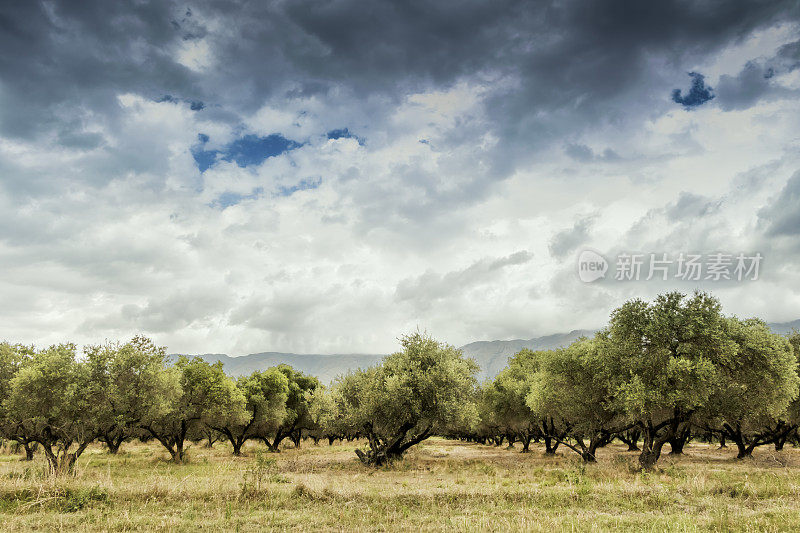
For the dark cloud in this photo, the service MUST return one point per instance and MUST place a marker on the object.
(63, 58)
(782, 216)
(425, 289)
(575, 63)
(568, 240)
(583, 154)
(698, 95)
(690, 207)
(756, 81)
(746, 88)
(579, 152)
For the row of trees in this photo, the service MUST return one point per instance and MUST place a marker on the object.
(661, 372)
(116, 392)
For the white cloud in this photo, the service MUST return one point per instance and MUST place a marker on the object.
(442, 214)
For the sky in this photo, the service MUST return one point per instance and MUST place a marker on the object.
(323, 176)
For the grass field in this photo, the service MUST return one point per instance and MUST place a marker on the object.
(440, 485)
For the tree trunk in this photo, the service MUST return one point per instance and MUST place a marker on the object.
(550, 445)
(744, 451)
(735, 434)
(511, 440)
(653, 443)
(173, 440)
(526, 442)
(631, 438)
(678, 441)
(237, 441)
(178, 453)
(589, 456)
(551, 436)
(274, 446)
(63, 462)
(112, 443)
(382, 451)
(29, 448)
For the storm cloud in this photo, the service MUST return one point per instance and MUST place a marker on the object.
(315, 175)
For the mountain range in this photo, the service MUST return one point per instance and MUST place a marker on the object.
(491, 356)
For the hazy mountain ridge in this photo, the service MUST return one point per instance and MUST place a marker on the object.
(492, 356)
(785, 327)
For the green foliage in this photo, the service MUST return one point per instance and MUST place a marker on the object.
(263, 412)
(297, 416)
(760, 383)
(666, 356)
(266, 393)
(50, 400)
(660, 369)
(572, 388)
(502, 406)
(425, 388)
(125, 387)
(194, 393)
(298, 400)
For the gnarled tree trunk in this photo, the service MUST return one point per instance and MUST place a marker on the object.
(61, 461)
(679, 440)
(381, 451)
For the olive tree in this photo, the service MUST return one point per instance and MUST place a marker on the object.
(486, 426)
(756, 387)
(265, 395)
(50, 401)
(192, 393)
(322, 412)
(569, 387)
(663, 361)
(12, 357)
(124, 384)
(792, 415)
(506, 396)
(297, 417)
(424, 388)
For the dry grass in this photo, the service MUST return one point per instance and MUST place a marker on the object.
(441, 485)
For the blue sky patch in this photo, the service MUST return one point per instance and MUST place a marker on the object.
(339, 134)
(245, 151)
(304, 185)
(698, 94)
(344, 133)
(194, 105)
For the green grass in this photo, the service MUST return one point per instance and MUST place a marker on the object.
(441, 485)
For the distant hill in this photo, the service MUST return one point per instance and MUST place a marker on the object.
(491, 356)
(785, 327)
(325, 367)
